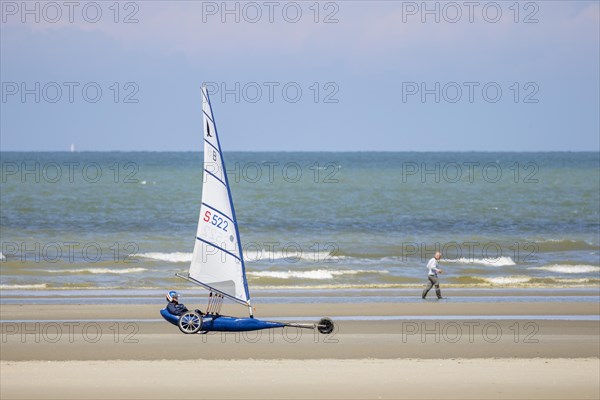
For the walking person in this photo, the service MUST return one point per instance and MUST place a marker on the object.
(432, 275)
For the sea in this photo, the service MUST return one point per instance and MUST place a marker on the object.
(125, 222)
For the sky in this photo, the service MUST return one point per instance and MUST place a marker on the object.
(301, 76)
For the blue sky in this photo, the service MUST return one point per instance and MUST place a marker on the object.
(340, 76)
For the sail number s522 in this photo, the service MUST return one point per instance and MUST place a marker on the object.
(215, 220)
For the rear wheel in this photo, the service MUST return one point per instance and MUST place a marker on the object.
(325, 326)
(190, 322)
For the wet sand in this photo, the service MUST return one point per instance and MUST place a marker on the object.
(424, 350)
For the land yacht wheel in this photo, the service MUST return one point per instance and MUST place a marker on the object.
(190, 322)
(325, 326)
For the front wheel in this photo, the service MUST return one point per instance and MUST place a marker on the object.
(190, 322)
(325, 326)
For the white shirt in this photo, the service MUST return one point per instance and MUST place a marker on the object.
(432, 267)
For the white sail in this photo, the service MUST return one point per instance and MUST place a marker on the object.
(217, 260)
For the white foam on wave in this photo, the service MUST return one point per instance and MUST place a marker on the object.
(292, 254)
(569, 269)
(34, 286)
(2, 258)
(97, 271)
(572, 281)
(507, 280)
(554, 240)
(493, 262)
(317, 274)
(169, 257)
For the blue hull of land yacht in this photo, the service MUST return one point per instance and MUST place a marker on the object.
(222, 323)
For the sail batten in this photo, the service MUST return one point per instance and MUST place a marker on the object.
(210, 144)
(217, 260)
(208, 116)
(214, 176)
(218, 248)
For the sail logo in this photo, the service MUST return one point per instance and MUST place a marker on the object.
(215, 220)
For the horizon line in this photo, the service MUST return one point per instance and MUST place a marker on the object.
(304, 151)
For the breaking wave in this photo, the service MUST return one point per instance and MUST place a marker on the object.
(177, 257)
(97, 271)
(507, 280)
(34, 286)
(569, 269)
(494, 262)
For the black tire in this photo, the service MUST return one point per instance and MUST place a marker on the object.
(325, 326)
(190, 322)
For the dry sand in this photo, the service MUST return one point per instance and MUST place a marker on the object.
(100, 351)
(305, 379)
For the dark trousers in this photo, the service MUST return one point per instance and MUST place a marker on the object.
(433, 281)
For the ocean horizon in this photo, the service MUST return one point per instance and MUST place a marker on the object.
(310, 151)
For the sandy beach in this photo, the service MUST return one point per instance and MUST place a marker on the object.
(302, 379)
(389, 350)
